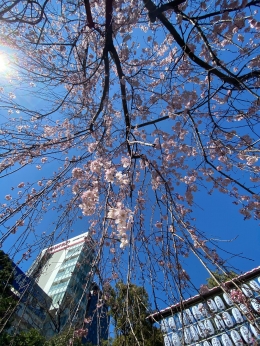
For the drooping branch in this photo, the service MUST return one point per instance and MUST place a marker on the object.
(217, 61)
(235, 81)
(133, 127)
(9, 8)
(17, 19)
(227, 10)
(205, 156)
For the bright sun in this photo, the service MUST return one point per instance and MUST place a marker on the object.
(3, 62)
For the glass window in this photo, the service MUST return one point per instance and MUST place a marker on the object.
(62, 276)
(57, 298)
(61, 287)
(69, 262)
(74, 250)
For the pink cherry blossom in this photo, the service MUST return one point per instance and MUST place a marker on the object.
(89, 199)
(77, 173)
(134, 113)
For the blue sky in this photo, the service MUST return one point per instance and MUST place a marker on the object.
(220, 219)
(215, 216)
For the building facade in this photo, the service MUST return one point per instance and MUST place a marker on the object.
(64, 272)
(221, 316)
(96, 317)
(33, 303)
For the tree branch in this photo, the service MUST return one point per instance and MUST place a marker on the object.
(91, 24)
(235, 81)
(210, 163)
(173, 5)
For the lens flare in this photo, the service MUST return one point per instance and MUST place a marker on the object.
(3, 62)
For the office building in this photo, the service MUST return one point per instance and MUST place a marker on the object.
(221, 316)
(65, 272)
(32, 303)
(96, 317)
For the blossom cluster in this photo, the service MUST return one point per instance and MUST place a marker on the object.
(237, 296)
(89, 200)
(77, 173)
(123, 219)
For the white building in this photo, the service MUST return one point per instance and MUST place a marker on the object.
(65, 272)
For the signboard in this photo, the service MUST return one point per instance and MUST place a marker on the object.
(68, 243)
(59, 247)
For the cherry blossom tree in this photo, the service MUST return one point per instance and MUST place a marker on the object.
(116, 114)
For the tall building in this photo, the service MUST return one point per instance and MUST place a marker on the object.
(65, 272)
(221, 316)
(96, 317)
(32, 303)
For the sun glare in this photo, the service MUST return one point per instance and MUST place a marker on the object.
(3, 62)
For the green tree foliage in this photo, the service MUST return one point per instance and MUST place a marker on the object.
(34, 337)
(7, 298)
(27, 338)
(64, 339)
(129, 307)
(211, 282)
